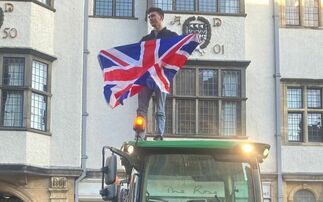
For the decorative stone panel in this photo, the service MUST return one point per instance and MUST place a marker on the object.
(58, 189)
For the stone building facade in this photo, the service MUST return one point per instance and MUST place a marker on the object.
(257, 75)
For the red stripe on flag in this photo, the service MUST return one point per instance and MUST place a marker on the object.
(134, 90)
(122, 74)
(175, 60)
(160, 75)
(149, 53)
(119, 93)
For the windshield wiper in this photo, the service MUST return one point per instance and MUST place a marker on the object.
(205, 200)
(156, 199)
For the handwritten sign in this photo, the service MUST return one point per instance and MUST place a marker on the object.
(185, 188)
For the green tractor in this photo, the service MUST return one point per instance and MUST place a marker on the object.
(185, 170)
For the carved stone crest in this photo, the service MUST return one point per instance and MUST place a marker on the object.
(198, 25)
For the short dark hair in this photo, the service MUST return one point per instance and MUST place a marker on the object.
(155, 9)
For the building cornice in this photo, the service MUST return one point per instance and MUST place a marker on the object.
(222, 63)
(301, 80)
(303, 177)
(30, 51)
(39, 171)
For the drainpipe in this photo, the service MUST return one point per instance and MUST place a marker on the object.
(84, 102)
(277, 77)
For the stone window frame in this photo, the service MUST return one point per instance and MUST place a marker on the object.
(29, 56)
(301, 10)
(114, 11)
(304, 84)
(240, 13)
(218, 65)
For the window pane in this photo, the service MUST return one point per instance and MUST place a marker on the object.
(13, 74)
(231, 119)
(185, 82)
(314, 98)
(186, 116)
(103, 7)
(39, 76)
(47, 2)
(292, 12)
(208, 82)
(304, 196)
(208, 121)
(12, 108)
(231, 83)
(229, 6)
(295, 127)
(314, 125)
(124, 8)
(166, 5)
(38, 111)
(311, 13)
(185, 5)
(169, 116)
(207, 6)
(294, 98)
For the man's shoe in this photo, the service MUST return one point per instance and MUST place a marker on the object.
(158, 137)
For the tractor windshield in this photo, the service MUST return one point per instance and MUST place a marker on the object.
(196, 178)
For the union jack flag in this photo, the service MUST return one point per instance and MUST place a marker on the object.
(154, 63)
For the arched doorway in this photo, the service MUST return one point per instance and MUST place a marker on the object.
(5, 197)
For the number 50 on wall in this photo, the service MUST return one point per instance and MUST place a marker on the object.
(9, 33)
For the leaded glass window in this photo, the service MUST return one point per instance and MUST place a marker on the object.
(47, 2)
(295, 127)
(304, 113)
(199, 6)
(209, 6)
(12, 108)
(229, 6)
(304, 196)
(208, 82)
(39, 76)
(38, 111)
(302, 13)
(12, 100)
(114, 8)
(231, 121)
(311, 13)
(24, 92)
(184, 5)
(294, 98)
(186, 116)
(103, 8)
(14, 68)
(292, 12)
(205, 101)
(314, 125)
(231, 83)
(314, 98)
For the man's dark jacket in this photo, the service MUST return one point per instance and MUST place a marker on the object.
(164, 33)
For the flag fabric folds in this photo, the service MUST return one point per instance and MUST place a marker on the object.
(153, 64)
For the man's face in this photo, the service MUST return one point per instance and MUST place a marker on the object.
(155, 19)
